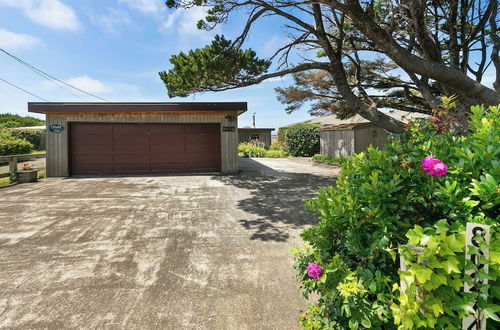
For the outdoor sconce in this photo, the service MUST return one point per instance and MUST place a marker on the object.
(229, 118)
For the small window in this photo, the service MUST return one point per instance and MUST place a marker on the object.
(254, 136)
(374, 133)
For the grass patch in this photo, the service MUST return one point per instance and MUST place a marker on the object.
(328, 159)
(4, 181)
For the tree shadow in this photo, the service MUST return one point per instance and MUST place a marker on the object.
(276, 199)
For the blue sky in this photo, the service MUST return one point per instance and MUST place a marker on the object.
(115, 49)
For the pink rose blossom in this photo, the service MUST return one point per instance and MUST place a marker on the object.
(436, 120)
(434, 166)
(314, 271)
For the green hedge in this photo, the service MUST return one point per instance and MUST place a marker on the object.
(33, 136)
(302, 140)
(386, 199)
(256, 150)
(10, 145)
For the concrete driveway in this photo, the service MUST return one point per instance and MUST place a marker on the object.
(162, 252)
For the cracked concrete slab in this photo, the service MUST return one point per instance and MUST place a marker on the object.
(197, 252)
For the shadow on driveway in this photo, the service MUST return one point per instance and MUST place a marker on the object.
(277, 196)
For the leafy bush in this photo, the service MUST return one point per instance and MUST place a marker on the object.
(10, 145)
(276, 154)
(33, 136)
(282, 135)
(434, 296)
(8, 120)
(379, 197)
(328, 159)
(302, 140)
(253, 149)
(277, 146)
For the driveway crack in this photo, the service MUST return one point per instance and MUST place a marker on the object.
(7, 303)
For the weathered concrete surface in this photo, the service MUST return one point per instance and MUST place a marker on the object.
(172, 252)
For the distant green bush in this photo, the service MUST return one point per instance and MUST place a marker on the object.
(276, 154)
(8, 120)
(277, 146)
(255, 150)
(282, 135)
(10, 145)
(302, 140)
(33, 136)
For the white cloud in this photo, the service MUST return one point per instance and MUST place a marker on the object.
(15, 41)
(112, 20)
(150, 7)
(50, 13)
(89, 85)
(84, 82)
(182, 22)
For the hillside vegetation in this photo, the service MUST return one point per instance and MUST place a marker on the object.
(8, 120)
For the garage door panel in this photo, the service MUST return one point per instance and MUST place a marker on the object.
(167, 148)
(94, 149)
(130, 139)
(130, 129)
(166, 128)
(104, 148)
(201, 128)
(131, 148)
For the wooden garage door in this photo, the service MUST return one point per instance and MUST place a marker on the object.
(99, 148)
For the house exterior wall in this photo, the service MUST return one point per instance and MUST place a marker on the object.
(58, 144)
(245, 135)
(369, 135)
(337, 143)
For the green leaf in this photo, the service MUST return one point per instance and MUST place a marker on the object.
(422, 274)
(366, 323)
(450, 265)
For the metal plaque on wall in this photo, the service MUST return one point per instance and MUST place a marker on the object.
(56, 128)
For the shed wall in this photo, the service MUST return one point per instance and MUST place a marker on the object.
(369, 135)
(57, 143)
(264, 136)
(339, 143)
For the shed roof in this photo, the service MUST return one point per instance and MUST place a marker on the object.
(345, 126)
(61, 107)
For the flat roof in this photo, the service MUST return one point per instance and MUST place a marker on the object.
(61, 107)
(254, 129)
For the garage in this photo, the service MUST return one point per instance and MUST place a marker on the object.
(144, 148)
(140, 138)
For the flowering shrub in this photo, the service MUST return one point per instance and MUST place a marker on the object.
(26, 167)
(434, 166)
(380, 196)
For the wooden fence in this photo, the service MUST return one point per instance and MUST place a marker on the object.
(14, 159)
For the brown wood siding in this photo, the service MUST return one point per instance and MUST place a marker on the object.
(337, 143)
(369, 135)
(57, 143)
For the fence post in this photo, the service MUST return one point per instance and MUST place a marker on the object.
(13, 165)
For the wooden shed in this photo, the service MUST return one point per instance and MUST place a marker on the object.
(140, 138)
(348, 139)
(247, 134)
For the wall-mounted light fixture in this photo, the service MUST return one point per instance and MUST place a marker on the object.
(229, 118)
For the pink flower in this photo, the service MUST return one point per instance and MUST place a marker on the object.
(434, 166)
(314, 271)
(436, 120)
